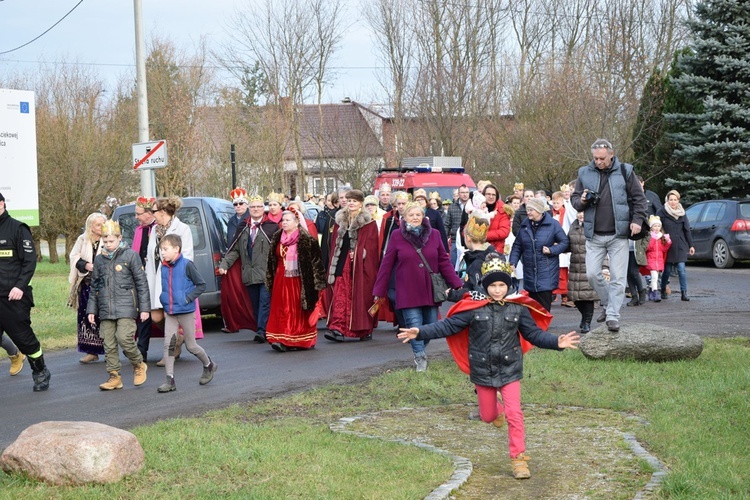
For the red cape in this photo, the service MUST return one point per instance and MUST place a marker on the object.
(459, 343)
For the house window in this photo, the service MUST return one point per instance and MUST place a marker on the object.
(320, 188)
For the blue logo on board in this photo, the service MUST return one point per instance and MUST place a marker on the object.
(24, 107)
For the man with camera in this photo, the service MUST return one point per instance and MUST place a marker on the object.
(614, 209)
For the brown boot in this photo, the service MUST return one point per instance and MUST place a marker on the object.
(16, 363)
(520, 466)
(114, 382)
(499, 421)
(139, 374)
(89, 358)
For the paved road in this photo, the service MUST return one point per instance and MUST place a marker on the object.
(248, 371)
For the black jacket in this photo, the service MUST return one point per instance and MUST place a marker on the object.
(17, 255)
(679, 230)
(119, 288)
(473, 277)
(495, 356)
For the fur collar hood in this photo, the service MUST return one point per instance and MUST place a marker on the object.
(346, 223)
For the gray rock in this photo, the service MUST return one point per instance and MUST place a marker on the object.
(73, 453)
(642, 342)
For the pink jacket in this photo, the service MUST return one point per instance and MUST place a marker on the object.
(656, 253)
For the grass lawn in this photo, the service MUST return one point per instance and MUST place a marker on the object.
(698, 415)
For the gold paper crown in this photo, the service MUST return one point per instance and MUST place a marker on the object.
(254, 198)
(518, 186)
(496, 265)
(111, 228)
(476, 228)
(145, 203)
(434, 195)
(238, 194)
(565, 187)
(277, 197)
(419, 192)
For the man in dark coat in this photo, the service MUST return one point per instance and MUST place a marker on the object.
(520, 215)
(654, 203)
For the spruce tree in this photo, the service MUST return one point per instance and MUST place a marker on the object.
(713, 142)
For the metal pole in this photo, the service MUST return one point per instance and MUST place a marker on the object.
(148, 185)
(234, 166)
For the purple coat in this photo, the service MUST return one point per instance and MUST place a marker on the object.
(413, 285)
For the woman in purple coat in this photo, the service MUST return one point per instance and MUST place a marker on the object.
(413, 284)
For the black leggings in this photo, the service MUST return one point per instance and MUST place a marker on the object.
(635, 281)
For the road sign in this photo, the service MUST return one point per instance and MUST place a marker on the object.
(149, 155)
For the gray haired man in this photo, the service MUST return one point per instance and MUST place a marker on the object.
(614, 209)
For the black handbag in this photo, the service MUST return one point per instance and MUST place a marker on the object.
(439, 286)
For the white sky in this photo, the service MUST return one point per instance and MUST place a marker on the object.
(100, 35)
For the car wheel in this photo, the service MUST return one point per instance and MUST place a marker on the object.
(722, 258)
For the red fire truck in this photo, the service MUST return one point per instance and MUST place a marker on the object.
(443, 174)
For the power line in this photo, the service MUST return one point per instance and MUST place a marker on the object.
(45, 32)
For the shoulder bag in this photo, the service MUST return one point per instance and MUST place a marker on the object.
(439, 286)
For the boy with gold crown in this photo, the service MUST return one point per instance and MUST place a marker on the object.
(119, 294)
(487, 335)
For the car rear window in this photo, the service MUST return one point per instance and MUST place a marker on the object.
(745, 210)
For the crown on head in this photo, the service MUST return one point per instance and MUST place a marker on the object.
(238, 194)
(476, 229)
(277, 197)
(518, 186)
(565, 187)
(111, 228)
(434, 195)
(254, 198)
(145, 203)
(496, 265)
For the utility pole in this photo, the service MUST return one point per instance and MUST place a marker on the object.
(148, 179)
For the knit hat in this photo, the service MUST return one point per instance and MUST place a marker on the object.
(496, 269)
(537, 205)
(370, 200)
(477, 227)
(654, 219)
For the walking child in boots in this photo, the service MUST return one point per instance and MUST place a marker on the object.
(119, 294)
(488, 327)
(181, 284)
(656, 255)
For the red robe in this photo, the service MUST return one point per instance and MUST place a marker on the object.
(363, 276)
(459, 343)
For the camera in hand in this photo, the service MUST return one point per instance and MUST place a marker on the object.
(592, 198)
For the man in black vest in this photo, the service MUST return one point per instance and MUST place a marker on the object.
(614, 209)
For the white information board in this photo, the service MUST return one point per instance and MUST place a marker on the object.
(18, 168)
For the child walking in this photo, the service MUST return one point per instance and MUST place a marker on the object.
(119, 294)
(492, 354)
(181, 284)
(656, 255)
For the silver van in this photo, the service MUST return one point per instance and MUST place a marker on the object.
(207, 218)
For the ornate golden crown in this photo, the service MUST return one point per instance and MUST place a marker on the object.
(495, 265)
(145, 203)
(111, 228)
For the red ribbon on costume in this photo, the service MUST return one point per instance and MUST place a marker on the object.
(459, 343)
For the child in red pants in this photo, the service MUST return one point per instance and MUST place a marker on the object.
(491, 350)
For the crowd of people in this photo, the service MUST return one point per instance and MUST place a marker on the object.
(392, 256)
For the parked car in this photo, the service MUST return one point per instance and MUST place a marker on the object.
(207, 218)
(721, 231)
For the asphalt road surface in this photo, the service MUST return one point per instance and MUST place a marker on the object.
(247, 371)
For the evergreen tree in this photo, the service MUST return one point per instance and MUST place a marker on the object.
(648, 132)
(713, 141)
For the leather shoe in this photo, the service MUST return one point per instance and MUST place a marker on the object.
(335, 336)
(613, 325)
(89, 358)
(366, 337)
(259, 338)
(278, 346)
(602, 315)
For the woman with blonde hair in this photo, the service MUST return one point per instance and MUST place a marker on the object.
(86, 247)
(676, 224)
(295, 275)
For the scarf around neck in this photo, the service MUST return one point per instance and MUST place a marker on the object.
(289, 252)
(676, 212)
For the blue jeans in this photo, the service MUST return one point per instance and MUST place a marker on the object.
(454, 252)
(261, 302)
(681, 273)
(611, 294)
(418, 316)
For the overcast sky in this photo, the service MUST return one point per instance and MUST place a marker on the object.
(100, 34)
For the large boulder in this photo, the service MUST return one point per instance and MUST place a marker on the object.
(642, 342)
(72, 453)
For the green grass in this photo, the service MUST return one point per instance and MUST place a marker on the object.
(698, 415)
(53, 322)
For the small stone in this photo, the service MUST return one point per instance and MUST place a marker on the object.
(642, 342)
